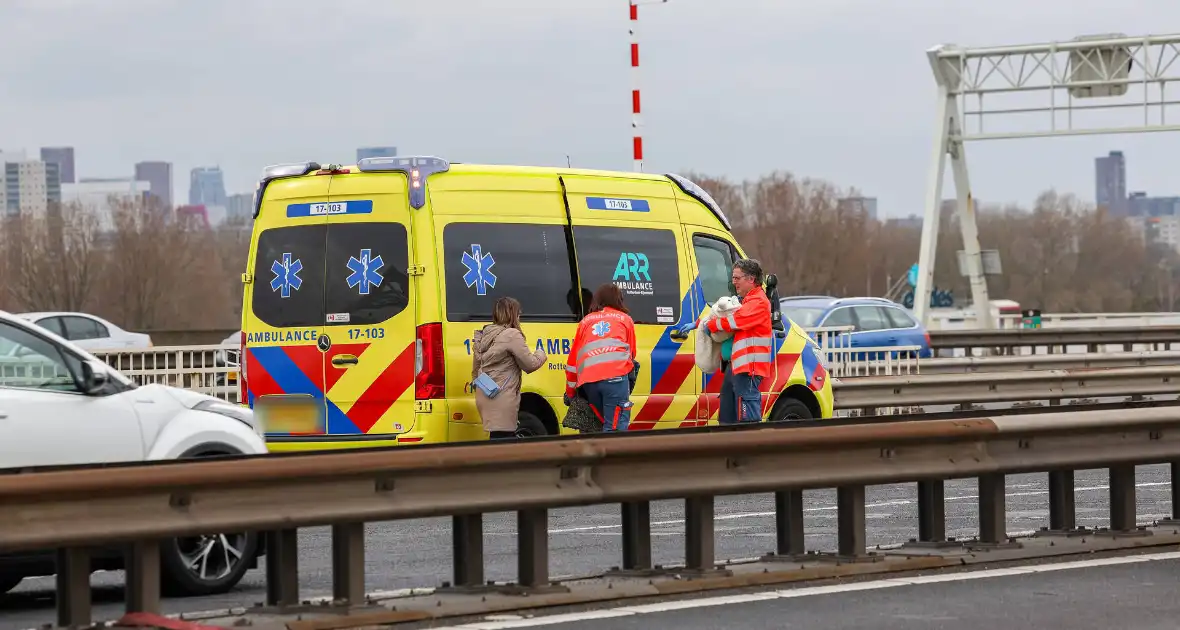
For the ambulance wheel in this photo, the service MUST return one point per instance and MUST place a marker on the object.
(790, 410)
(529, 425)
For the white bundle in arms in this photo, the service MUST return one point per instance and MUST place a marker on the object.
(708, 350)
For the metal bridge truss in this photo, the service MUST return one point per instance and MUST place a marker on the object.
(1092, 85)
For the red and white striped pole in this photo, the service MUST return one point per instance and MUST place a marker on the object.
(637, 138)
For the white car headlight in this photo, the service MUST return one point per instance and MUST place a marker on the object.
(229, 410)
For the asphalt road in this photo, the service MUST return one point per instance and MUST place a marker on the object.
(1097, 595)
(586, 541)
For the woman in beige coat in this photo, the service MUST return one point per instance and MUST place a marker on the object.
(501, 352)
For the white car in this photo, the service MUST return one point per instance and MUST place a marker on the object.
(59, 405)
(89, 331)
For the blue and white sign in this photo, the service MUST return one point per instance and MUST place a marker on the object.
(479, 270)
(912, 276)
(621, 205)
(286, 273)
(326, 208)
(601, 329)
(364, 271)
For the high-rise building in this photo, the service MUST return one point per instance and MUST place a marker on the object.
(206, 187)
(1110, 183)
(368, 152)
(158, 175)
(867, 205)
(64, 158)
(100, 195)
(27, 187)
(239, 208)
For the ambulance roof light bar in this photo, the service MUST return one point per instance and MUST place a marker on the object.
(280, 171)
(416, 167)
(701, 195)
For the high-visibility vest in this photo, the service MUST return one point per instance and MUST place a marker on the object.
(753, 343)
(604, 347)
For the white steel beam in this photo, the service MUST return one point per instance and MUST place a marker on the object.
(1095, 85)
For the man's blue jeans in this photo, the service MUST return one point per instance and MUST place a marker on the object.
(612, 400)
(740, 399)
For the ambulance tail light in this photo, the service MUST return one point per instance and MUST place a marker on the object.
(242, 398)
(429, 364)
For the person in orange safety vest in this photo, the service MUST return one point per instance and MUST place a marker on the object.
(602, 358)
(752, 352)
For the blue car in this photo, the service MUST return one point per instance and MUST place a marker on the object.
(876, 322)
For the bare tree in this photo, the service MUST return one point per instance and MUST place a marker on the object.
(52, 259)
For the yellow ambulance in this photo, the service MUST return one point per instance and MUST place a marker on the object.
(366, 283)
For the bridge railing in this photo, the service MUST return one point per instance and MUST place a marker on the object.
(139, 506)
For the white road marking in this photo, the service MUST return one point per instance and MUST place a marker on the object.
(827, 508)
(706, 602)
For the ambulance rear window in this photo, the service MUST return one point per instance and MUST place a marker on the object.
(288, 286)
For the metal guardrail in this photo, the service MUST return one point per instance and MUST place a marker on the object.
(1090, 338)
(993, 387)
(140, 505)
(971, 365)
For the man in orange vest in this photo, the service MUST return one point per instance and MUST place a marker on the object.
(752, 353)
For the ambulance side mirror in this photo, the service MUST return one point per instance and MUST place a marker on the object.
(776, 310)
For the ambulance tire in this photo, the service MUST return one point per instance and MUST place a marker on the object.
(790, 410)
(529, 425)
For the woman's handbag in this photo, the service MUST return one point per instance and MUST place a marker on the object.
(581, 417)
(486, 385)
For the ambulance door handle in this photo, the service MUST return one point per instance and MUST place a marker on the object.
(342, 360)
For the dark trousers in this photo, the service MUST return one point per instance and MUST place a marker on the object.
(740, 399)
(501, 435)
(611, 400)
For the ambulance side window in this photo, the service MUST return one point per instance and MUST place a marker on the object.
(526, 261)
(289, 276)
(715, 260)
(642, 261)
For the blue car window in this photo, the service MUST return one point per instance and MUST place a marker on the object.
(871, 318)
(900, 318)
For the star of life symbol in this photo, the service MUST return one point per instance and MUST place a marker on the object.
(364, 271)
(286, 273)
(479, 270)
(601, 328)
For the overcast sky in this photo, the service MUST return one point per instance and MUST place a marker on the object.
(837, 89)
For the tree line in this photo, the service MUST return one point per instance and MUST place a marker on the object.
(140, 266)
(145, 268)
(1057, 254)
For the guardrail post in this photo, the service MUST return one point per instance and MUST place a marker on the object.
(850, 521)
(1174, 469)
(992, 511)
(142, 584)
(788, 523)
(1062, 510)
(533, 556)
(636, 536)
(348, 563)
(932, 511)
(73, 587)
(282, 567)
(699, 552)
(467, 549)
(1122, 502)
